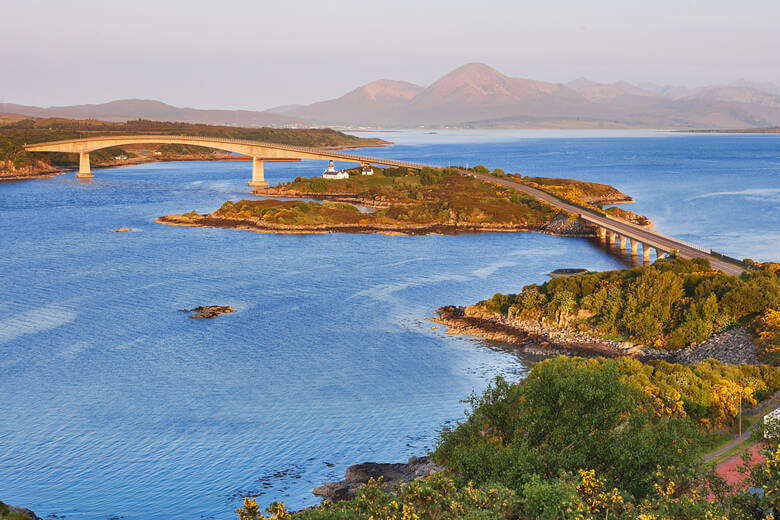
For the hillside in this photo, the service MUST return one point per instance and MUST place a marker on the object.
(128, 109)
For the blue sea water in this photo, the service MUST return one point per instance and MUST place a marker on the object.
(115, 404)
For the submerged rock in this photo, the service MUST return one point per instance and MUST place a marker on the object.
(121, 230)
(566, 272)
(359, 474)
(209, 311)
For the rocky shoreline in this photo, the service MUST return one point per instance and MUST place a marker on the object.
(8, 509)
(573, 228)
(732, 346)
(392, 474)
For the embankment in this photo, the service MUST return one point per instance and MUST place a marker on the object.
(732, 346)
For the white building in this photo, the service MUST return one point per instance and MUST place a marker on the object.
(333, 173)
(367, 170)
(772, 422)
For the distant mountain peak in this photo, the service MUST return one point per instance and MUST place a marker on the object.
(476, 95)
(579, 83)
(389, 89)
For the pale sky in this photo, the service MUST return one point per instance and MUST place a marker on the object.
(261, 53)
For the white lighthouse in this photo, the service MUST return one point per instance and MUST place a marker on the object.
(333, 173)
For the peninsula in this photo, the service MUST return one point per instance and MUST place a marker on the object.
(401, 201)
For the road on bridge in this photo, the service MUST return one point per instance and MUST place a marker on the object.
(645, 236)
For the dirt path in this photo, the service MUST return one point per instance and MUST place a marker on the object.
(768, 405)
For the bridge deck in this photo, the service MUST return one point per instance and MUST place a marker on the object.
(95, 143)
(651, 238)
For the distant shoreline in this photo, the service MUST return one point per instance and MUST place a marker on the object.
(768, 130)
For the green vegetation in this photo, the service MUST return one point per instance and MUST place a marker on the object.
(291, 213)
(6, 514)
(404, 199)
(434, 197)
(670, 304)
(577, 439)
(628, 216)
(14, 135)
(590, 195)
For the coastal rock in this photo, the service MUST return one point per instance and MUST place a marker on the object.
(733, 346)
(359, 474)
(566, 272)
(208, 311)
(25, 514)
(38, 168)
(561, 224)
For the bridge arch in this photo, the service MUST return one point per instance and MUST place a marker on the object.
(258, 150)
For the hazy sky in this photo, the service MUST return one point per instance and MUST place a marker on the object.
(258, 54)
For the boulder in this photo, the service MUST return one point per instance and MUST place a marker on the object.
(20, 512)
(359, 474)
(561, 224)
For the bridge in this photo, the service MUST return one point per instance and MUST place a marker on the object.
(259, 151)
(612, 230)
(607, 229)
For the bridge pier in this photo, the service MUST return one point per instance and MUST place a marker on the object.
(84, 170)
(634, 247)
(659, 254)
(645, 253)
(601, 233)
(258, 175)
(622, 243)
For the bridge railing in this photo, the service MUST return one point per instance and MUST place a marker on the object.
(667, 237)
(731, 260)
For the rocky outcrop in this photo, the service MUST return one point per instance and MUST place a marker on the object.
(733, 346)
(533, 337)
(260, 226)
(562, 225)
(392, 474)
(557, 273)
(15, 513)
(9, 171)
(208, 311)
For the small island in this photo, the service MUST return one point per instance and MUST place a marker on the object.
(206, 312)
(400, 201)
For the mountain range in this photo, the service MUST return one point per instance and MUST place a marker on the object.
(477, 96)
